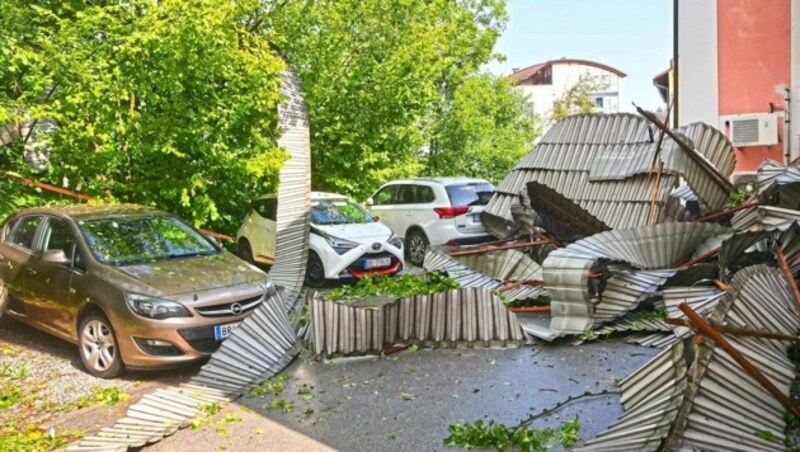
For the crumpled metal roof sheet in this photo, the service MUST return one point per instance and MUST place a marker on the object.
(761, 216)
(559, 216)
(489, 271)
(659, 246)
(602, 163)
(779, 183)
(657, 249)
(722, 408)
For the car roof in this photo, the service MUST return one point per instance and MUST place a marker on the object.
(453, 180)
(316, 195)
(90, 210)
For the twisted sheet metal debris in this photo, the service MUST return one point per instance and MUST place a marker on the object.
(696, 397)
(265, 342)
(778, 184)
(604, 165)
(586, 291)
(473, 317)
(490, 271)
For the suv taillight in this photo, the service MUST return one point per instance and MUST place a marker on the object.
(450, 212)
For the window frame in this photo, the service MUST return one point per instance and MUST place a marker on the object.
(71, 254)
(34, 240)
(393, 188)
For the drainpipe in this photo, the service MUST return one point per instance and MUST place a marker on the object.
(787, 127)
(676, 75)
(793, 136)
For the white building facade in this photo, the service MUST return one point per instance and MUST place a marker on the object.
(548, 81)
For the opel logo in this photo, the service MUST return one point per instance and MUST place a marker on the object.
(376, 246)
(236, 309)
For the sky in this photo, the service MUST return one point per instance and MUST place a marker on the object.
(634, 36)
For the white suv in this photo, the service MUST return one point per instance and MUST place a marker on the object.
(433, 211)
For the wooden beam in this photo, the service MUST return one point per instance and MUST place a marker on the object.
(739, 331)
(698, 322)
(714, 215)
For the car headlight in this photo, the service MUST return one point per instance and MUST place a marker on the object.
(155, 308)
(341, 246)
(395, 241)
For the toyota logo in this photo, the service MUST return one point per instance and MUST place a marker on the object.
(376, 246)
(236, 309)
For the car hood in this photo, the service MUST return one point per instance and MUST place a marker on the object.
(364, 233)
(191, 274)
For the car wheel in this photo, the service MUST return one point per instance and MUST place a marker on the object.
(315, 271)
(98, 347)
(416, 246)
(246, 251)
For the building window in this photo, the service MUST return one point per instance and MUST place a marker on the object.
(598, 101)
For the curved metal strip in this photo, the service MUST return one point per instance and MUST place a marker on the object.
(294, 200)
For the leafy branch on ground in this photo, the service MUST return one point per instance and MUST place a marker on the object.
(30, 437)
(502, 437)
(395, 286)
(109, 396)
(274, 386)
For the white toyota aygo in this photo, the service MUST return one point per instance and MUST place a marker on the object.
(346, 241)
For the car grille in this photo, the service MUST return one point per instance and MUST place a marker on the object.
(200, 338)
(224, 310)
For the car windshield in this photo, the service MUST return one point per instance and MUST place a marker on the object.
(339, 211)
(128, 240)
(472, 194)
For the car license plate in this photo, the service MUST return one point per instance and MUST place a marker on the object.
(223, 331)
(377, 263)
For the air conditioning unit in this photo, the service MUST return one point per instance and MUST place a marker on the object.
(756, 129)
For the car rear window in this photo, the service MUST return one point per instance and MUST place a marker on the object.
(471, 194)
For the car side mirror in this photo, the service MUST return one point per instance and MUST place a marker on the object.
(370, 202)
(215, 240)
(55, 257)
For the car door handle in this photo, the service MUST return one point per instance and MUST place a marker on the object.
(72, 291)
(31, 271)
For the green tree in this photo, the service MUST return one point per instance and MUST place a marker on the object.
(169, 103)
(373, 71)
(579, 98)
(483, 131)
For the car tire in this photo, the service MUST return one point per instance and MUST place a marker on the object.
(416, 246)
(98, 346)
(245, 251)
(315, 270)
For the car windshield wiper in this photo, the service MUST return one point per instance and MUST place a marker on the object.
(191, 254)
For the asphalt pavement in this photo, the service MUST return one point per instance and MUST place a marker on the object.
(407, 401)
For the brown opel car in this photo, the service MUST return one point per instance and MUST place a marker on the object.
(132, 286)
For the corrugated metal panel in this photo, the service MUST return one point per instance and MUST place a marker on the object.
(723, 408)
(602, 164)
(489, 271)
(779, 184)
(265, 342)
(467, 316)
(560, 216)
(567, 271)
(762, 216)
(294, 199)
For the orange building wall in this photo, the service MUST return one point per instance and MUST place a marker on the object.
(754, 39)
